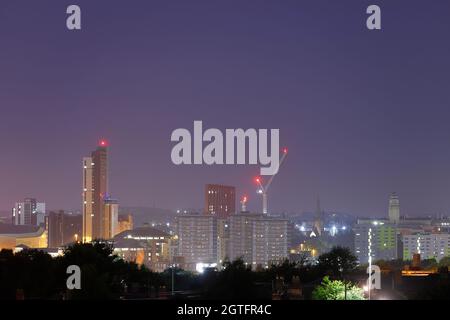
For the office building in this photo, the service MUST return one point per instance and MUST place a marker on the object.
(28, 212)
(427, 245)
(377, 238)
(220, 201)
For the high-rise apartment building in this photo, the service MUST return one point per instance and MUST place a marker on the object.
(197, 239)
(95, 191)
(258, 239)
(241, 236)
(28, 212)
(223, 239)
(220, 201)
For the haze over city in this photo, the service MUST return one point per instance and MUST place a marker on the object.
(363, 114)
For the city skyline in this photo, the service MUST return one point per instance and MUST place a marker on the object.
(363, 114)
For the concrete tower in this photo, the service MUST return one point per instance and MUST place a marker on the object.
(394, 208)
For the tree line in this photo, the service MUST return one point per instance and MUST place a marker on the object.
(34, 274)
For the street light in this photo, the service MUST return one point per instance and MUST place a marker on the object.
(370, 261)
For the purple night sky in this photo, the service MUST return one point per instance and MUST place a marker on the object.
(364, 113)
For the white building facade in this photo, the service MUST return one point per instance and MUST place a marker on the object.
(258, 239)
(428, 245)
(28, 212)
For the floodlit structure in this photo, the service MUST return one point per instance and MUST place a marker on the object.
(24, 236)
(96, 223)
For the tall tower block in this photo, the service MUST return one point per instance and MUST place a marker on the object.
(95, 191)
(394, 208)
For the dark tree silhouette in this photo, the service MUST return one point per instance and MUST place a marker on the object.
(235, 281)
(338, 261)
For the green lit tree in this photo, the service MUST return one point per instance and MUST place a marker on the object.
(337, 290)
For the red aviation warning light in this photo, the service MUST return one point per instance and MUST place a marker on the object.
(244, 203)
(285, 150)
(103, 143)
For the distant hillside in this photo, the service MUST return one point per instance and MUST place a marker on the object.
(329, 216)
(142, 215)
(5, 216)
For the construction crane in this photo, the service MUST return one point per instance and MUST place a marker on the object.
(263, 189)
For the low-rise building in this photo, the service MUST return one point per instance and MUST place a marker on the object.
(144, 245)
(13, 236)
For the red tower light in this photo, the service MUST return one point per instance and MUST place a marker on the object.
(103, 143)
